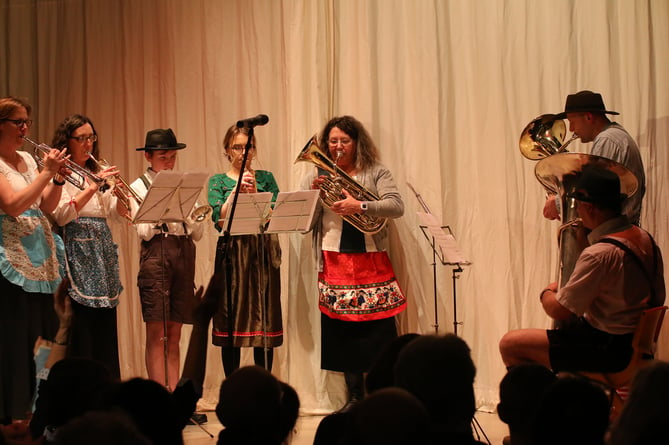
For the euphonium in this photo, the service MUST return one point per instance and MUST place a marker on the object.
(331, 188)
(544, 136)
(123, 192)
(78, 174)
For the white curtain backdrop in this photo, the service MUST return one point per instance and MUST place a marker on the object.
(444, 87)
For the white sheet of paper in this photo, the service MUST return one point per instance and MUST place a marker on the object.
(251, 213)
(171, 197)
(445, 242)
(293, 211)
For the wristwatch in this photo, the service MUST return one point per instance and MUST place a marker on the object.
(363, 206)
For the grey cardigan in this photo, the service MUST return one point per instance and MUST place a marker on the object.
(378, 180)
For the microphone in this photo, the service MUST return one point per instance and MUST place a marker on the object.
(251, 122)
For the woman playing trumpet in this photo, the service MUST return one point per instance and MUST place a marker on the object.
(255, 286)
(92, 255)
(29, 256)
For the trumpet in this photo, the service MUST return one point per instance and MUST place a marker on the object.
(123, 192)
(78, 174)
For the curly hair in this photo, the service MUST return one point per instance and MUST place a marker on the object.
(64, 132)
(366, 153)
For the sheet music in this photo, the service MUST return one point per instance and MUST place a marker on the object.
(293, 211)
(171, 197)
(251, 213)
(448, 246)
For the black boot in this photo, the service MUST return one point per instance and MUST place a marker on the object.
(355, 386)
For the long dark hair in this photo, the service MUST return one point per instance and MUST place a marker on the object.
(64, 132)
(366, 153)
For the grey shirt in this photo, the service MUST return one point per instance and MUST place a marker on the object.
(378, 180)
(616, 144)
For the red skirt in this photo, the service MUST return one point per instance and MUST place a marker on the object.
(359, 287)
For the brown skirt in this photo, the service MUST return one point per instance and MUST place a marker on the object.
(249, 309)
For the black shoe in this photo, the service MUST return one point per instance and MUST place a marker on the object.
(198, 418)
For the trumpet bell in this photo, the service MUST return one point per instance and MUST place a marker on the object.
(542, 137)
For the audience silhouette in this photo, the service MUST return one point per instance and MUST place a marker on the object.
(439, 372)
(520, 394)
(101, 428)
(256, 408)
(644, 418)
(574, 410)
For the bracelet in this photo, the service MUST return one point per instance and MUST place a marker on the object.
(56, 342)
(541, 295)
(59, 183)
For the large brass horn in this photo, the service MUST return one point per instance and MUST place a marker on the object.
(558, 171)
(331, 188)
(543, 137)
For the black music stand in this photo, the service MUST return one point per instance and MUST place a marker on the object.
(444, 249)
(170, 199)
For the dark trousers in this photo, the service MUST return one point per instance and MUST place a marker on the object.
(94, 335)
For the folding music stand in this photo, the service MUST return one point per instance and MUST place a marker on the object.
(293, 211)
(170, 199)
(444, 248)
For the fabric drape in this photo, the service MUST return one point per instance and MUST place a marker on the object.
(444, 88)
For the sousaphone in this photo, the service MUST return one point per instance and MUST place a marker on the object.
(558, 170)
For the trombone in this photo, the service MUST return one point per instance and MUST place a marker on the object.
(78, 174)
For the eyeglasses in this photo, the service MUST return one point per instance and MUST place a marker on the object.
(20, 122)
(81, 139)
(240, 147)
(336, 142)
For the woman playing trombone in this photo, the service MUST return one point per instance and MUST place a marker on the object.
(92, 255)
(29, 256)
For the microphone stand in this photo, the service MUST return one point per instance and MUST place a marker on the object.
(226, 265)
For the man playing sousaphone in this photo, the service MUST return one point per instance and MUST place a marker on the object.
(586, 114)
(614, 280)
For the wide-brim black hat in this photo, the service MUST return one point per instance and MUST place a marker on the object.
(160, 139)
(597, 185)
(584, 101)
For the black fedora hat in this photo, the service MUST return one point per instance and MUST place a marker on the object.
(584, 101)
(597, 185)
(160, 139)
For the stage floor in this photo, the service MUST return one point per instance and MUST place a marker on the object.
(306, 428)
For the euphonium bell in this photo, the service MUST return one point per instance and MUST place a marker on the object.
(543, 137)
(331, 188)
